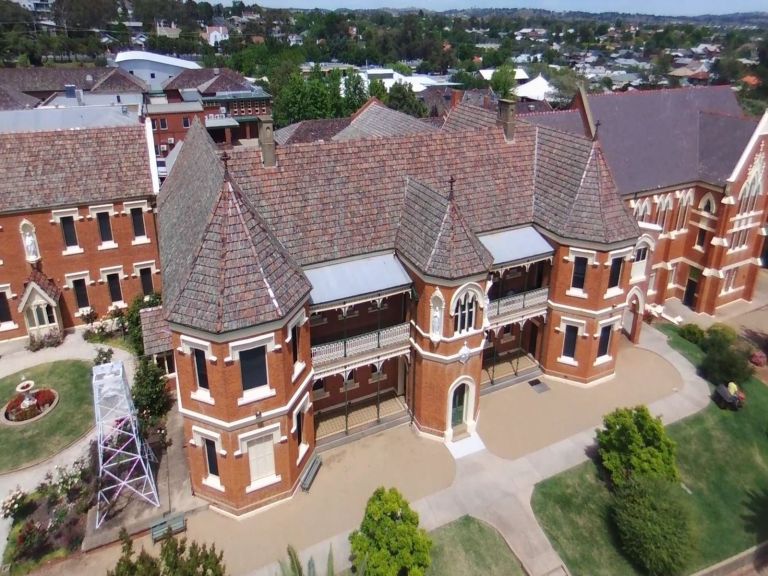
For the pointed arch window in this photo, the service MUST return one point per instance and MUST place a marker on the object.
(29, 239)
(662, 216)
(683, 210)
(464, 313)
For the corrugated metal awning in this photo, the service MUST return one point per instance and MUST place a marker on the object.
(355, 279)
(518, 245)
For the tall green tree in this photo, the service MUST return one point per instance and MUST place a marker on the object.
(503, 80)
(377, 89)
(355, 94)
(389, 540)
(84, 13)
(402, 97)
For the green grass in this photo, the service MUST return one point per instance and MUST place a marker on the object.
(723, 460)
(72, 417)
(468, 547)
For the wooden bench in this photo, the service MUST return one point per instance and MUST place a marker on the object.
(167, 527)
(311, 472)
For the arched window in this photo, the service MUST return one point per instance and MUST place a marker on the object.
(662, 215)
(29, 239)
(642, 211)
(707, 204)
(683, 209)
(752, 188)
(464, 312)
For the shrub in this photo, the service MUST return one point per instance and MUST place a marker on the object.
(50, 339)
(132, 321)
(635, 443)
(13, 504)
(728, 364)
(758, 358)
(103, 356)
(654, 525)
(389, 540)
(90, 317)
(150, 395)
(693, 333)
(718, 336)
(31, 540)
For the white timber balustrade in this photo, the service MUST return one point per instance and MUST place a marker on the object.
(358, 345)
(518, 302)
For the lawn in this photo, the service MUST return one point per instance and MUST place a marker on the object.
(723, 460)
(467, 547)
(69, 420)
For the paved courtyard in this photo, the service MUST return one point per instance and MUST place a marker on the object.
(518, 420)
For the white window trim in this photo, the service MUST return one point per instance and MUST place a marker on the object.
(5, 326)
(103, 273)
(93, 210)
(69, 280)
(266, 341)
(143, 204)
(590, 255)
(187, 344)
(581, 326)
(303, 406)
(139, 265)
(57, 215)
(243, 440)
(613, 292)
(298, 365)
(198, 434)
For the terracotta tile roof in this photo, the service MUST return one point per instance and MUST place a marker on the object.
(310, 130)
(46, 284)
(666, 134)
(374, 120)
(435, 238)
(468, 116)
(51, 79)
(155, 330)
(208, 80)
(12, 99)
(120, 81)
(235, 272)
(73, 167)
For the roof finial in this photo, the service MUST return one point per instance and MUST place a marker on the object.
(597, 129)
(450, 193)
(225, 159)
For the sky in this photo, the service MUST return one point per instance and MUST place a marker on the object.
(663, 7)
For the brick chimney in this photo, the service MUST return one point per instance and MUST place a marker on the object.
(267, 140)
(506, 117)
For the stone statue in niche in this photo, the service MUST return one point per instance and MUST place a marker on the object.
(31, 248)
(436, 329)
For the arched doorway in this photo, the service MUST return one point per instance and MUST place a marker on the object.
(633, 315)
(459, 405)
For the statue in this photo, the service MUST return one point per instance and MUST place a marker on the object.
(30, 245)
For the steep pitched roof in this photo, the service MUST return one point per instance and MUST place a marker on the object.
(12, 99)
(238, 275)
(375, 119)
(575, 196)
(467, 116)
(51, 79)
(310, 130)
(662, 129)
(120, 81)
(435, 238)
(208, 80)
(155, 330)
(59, 168)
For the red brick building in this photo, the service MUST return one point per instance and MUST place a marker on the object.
(77, 224)
(310, 288)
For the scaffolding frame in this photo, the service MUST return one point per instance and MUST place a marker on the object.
(124, 460)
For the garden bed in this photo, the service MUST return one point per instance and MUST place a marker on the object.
(723, 460)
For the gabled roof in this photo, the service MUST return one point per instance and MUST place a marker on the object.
(51, 79)
(61, 168)
(435, 238)
(12, 99)
(655, 139)
(237, 274)
(120, 81)
(311, 130)
(208, 80)
(40, 284)
(467, 116)
(155, 331)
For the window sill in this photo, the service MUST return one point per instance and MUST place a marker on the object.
(576, 293)
(107, 246)
(6, 326)
(320, 394)
(119, 304)
(213, 482)
(263, 483)
(567, 360)
(298, 368)
(637, 279)
(203, 395)
(699, 249)
(140, 240)
(731, 291)
(82, 311)
(349, 386)
(613, 292)
(737, 249)
(72, 250)
(303, 449)
(603, 360)
(256, 394)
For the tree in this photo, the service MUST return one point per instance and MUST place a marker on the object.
(132, 321)
(654, 525)
(84, 13)
(503, 80)
(634, 443)
(150, 395)
(389, 541)
(355, 94)
(177, 558)
(402, 97)
(377, 89)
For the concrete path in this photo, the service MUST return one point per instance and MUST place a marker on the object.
(15, 358)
